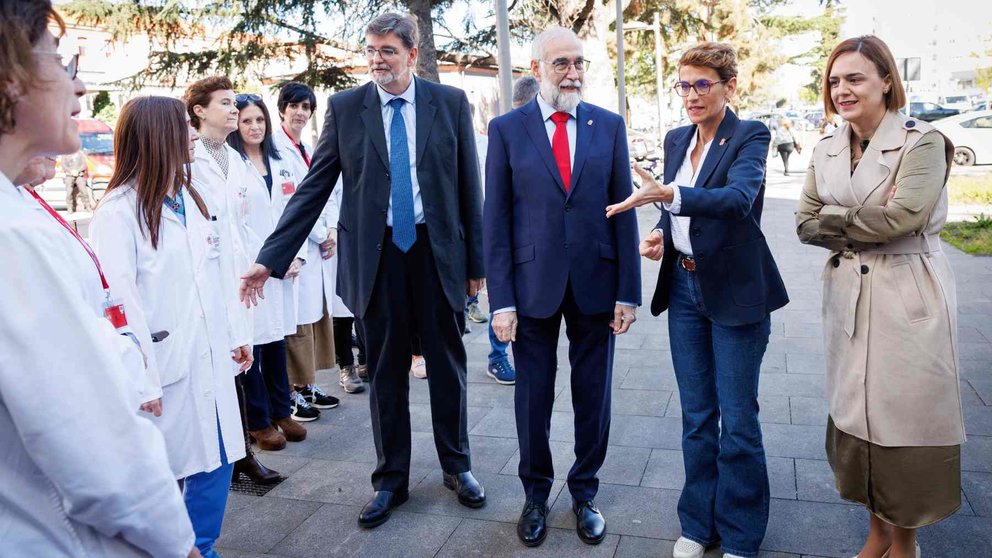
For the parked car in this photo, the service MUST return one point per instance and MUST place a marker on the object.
(971, 134)
(640, 144)
(928, 112)
(98, 144)
(960, 102)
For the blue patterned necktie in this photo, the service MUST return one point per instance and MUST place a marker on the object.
(401, 185)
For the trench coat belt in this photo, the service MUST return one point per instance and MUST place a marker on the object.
(850, 276)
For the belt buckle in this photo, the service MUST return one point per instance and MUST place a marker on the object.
(687, 263)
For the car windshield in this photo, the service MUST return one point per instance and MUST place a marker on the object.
(98, 143)
(961, 99)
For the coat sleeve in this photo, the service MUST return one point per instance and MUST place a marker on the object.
(498, 223)
(625, 224)
(470, 191)
(307, 205)
(112, 237)
(808, 219)
(56, 340)
(919, 184)
(733, 200)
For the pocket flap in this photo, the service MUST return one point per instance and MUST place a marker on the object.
(523, 254)
(607, 252)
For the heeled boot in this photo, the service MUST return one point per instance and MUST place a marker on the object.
(249, 464)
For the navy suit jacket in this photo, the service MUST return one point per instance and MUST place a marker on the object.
(737, 274)
(537, 238)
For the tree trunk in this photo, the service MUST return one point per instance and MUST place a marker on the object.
(427, 58)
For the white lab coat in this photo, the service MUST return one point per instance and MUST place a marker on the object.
(180, 288)
(88, 476)
(317, 278)
(275, 317)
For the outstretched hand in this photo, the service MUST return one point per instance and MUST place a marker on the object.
(649, 192)
(251, 284)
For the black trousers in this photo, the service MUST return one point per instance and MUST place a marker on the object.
(342, 341)
(408, 302)
(590, 353)
(784, 150)
(267, 386)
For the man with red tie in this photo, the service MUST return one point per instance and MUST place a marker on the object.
(552, 167)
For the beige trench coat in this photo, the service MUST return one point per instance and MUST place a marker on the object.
(889, 300)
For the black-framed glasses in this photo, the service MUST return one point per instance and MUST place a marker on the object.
(72, 68)
(247, 97)
(561, 65)
(702, 86)
(384, 52)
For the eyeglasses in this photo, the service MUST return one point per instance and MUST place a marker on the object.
(72, 68)
(701, 86)
(385, 52)
(246, 97)
(561, 65)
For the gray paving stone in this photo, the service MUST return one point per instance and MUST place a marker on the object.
(782, 477)
(815, 481)
(805, 363)
(790, 345)
(665, 469)
(504, 498)
(644, 512)
(976, 454)
(956, 536)
(801, 329)
(658, 378)
(638, 402)
(646, 432)
(978, 489)
(803, 385)
(488, 453)
(828, 529)
(980, 387)
(491, 539)
(810, 411)
(420, 417)
(260, 524)
(975, 351)
(334, 482)
(333, 531)
(641, 547)
(793, 440)
(970, 334)
(284, 464)
(773, 363)
(969, 396)
(234, 553)
(978, 420)
(623, 465)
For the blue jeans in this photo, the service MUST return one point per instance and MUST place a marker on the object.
(726, 478)
(497, 350)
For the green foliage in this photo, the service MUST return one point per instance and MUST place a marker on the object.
(970, 189)
(100, 101)
(972, 237)
(827, 27)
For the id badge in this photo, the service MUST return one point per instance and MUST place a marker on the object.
(288, 188)
(113, 310)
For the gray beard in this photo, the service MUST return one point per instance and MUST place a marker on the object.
(563, 102)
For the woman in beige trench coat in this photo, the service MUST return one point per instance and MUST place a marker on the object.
(875, 196)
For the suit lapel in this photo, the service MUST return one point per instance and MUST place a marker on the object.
(372, 118)
(837, 168)
(425, 118)
(531, 114)
(674, 159)
(717, 151)
(585, 127)
(881, 157)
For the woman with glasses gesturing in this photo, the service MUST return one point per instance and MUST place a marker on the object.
(719, 283)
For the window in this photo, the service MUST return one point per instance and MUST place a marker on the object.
(983, 122)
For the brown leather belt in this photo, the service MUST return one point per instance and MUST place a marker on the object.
(688, 263)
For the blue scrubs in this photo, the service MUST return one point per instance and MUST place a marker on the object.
(205, 495)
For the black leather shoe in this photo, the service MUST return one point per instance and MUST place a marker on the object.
(469, 491)
(377, 511)
(589, 523)
(254, 470)
(531, 527)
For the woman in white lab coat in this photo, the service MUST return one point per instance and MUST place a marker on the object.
(58, 498)
(163, 255)
(271, 182)
(311, 348)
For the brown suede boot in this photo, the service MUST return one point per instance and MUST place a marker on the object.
(294, 431)
(268, 439)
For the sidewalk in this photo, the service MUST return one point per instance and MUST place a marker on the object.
(314, 512)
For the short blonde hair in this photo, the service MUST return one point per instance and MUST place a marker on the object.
(719, 56)
(878, 53)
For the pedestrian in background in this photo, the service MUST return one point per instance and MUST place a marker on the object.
(785, 142)
(876, 198)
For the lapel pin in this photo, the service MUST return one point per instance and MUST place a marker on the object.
(589, 123)
(723, 141)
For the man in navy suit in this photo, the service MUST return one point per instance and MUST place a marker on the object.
(552, 167)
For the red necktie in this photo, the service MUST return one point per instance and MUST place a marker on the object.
(559, 146)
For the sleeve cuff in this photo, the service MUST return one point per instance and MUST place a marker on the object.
(833, 219)
(676, 206)
(631, 304)
(505, 310)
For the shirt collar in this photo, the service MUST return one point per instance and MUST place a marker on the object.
(547, 110)
(410, 95)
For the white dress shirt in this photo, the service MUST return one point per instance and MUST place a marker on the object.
(410, 119)
(685, 178)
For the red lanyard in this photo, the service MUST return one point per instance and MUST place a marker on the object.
(72, 231)
(299, 147)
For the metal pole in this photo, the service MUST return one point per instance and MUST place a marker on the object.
(658, 70)
(503, 63)
(621, 90)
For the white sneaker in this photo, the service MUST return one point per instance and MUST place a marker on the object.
(727, 555)
(419, 368)
(684, 548)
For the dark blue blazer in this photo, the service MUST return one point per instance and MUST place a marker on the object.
(738, 277)
(537, 238)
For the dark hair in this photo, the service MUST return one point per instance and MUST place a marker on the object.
(238, 143)
(878, 53)
(524, 90)
(199, 92)
(151, 152)
(22, 24)
(403, 25)
(295, 92)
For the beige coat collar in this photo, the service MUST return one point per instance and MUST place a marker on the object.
(879, 161)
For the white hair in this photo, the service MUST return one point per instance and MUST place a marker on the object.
(542, 38)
